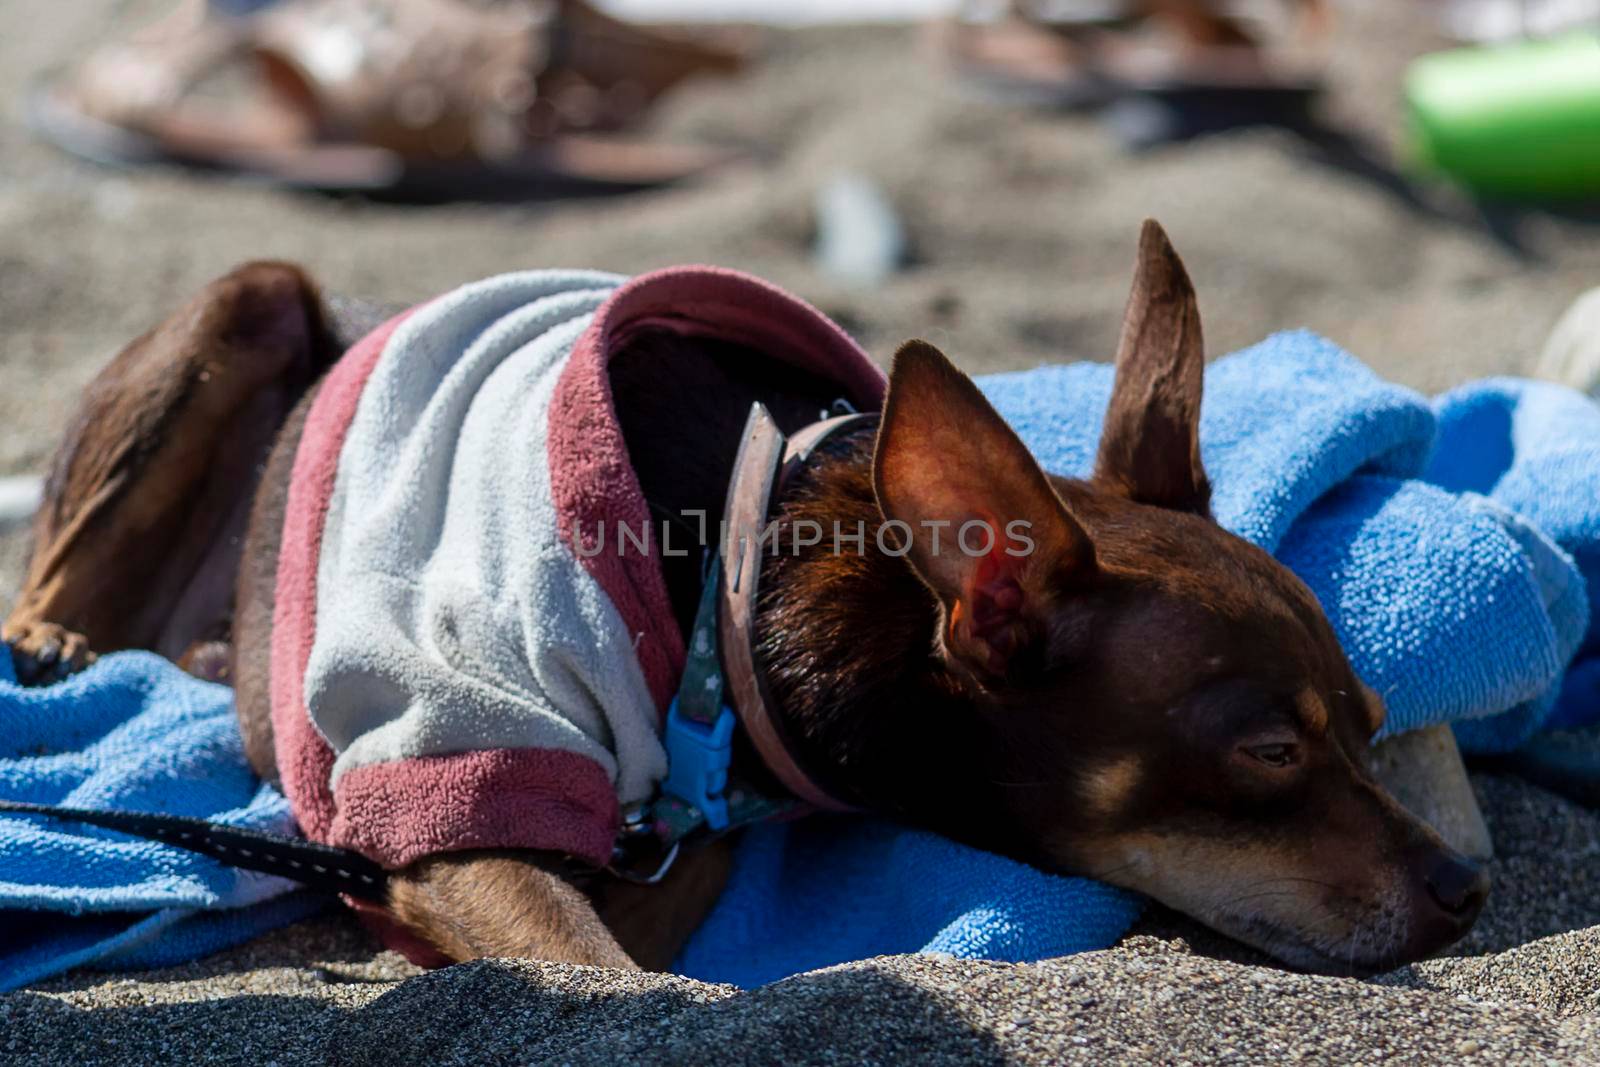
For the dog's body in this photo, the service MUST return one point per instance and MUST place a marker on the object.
(1139, 696)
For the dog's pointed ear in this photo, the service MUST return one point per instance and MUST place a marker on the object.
(980, 521)
(1150, 447)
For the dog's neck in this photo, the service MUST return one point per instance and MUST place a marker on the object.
(846, 638)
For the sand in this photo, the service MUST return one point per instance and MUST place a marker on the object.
(1523, 988)
(1022, 229)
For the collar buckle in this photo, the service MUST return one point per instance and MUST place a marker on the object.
(698, 757)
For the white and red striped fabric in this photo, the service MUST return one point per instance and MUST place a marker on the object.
(447, 671)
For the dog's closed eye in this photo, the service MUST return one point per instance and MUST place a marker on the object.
(1273, 753)
(1273, 745)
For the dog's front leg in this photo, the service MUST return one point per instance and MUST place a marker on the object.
(474, 904)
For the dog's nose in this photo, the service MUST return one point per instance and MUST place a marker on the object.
(1458, 886)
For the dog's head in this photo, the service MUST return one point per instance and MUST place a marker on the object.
(1164, 706)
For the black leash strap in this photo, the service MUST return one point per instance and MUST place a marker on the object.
(322, 867)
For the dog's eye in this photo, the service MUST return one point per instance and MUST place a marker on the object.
(1274, 755)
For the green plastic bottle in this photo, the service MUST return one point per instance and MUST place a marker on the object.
(1519, 120)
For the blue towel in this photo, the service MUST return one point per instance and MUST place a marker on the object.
(1454, 573)
(132, 733)
(829, 889)
(1534, 448)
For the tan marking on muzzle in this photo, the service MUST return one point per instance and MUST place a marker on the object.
(1107, 787)
(1303, 912)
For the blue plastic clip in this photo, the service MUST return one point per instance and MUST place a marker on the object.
(697, 763)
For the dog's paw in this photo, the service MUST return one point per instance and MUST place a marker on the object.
(43, 652)
(210, 660)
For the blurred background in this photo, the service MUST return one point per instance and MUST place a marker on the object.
(970, 173)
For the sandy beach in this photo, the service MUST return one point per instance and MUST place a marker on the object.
(1524, 987)
(1021, 228)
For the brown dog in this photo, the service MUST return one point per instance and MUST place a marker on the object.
(1142, 698)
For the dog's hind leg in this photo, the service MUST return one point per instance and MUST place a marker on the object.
(137, 542)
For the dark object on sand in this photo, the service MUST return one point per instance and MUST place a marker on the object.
(1164, 115)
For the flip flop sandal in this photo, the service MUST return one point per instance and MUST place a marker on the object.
(1041, 58)
(418, 97)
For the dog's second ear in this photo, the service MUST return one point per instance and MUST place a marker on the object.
(1150, 447)
(986, 531)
